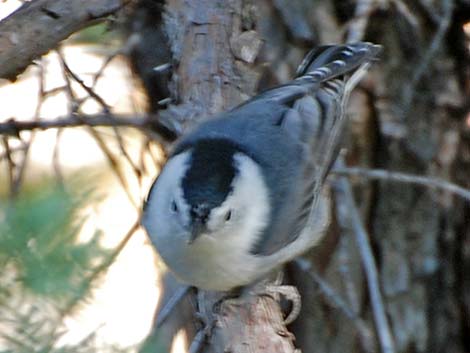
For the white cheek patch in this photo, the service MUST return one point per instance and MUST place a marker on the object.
(249, 204)
(218, 215)
(166, 189)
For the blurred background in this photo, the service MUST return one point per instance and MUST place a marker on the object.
(71, 272)
(93, 93)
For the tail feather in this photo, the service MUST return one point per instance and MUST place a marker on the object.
(330, 61)
(337, 70)
(315, 104)
(320, 65)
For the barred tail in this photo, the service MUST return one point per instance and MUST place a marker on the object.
(330, 61)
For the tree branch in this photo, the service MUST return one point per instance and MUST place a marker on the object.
(348, 211)
(430, 53)
(37, 26)
(379, 174)
(161, 124)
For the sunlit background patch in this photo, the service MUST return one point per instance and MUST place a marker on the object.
(121, 308)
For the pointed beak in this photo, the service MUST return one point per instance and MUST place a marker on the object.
(199, 216)
(197, 228)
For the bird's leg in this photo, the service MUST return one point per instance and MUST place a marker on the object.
(202, 336)
(206, 314)
(233, 297)
(290, 293)
(274, 290)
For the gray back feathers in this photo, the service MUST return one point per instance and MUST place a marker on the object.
(293, 132)
(317, 98)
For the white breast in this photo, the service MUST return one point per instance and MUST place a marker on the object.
(205, 264)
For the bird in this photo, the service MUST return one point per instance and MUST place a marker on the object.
(242, 193)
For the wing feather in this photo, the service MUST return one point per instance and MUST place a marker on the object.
(315, 116)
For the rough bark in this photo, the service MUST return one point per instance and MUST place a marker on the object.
(38, 26)
(213, 50)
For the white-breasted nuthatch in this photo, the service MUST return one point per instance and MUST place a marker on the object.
(241, 194)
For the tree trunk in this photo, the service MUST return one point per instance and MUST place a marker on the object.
(408, 115)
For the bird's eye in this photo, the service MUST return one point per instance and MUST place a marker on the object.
(228, 215)
(174, 206)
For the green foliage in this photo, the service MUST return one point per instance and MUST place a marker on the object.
(38, 235)
(153, 343)
(45, 271)
(96, 34)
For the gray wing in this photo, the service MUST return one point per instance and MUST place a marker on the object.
(299, 124)
(315, 117)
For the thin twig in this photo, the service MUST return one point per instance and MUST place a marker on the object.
(74, 102)
(404, 9)
(128, 158)
(358, 25)
(345, 197)
(77, 79)
(150, 123)
(105, 107)
(175, 299)
(115, 165)
(10, 163)
(436, 41)
(430, 10)
(116, 251)
(410, 89)
(144, 150)
(12, 151)
(71, 304)
(22, 167)
(55, 158)
(53, 91)
(380, 174)
(125, 50)
(112, 160)
(104, 65)
(335, 300)
(348, 279)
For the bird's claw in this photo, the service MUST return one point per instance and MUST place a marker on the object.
(291, 294)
